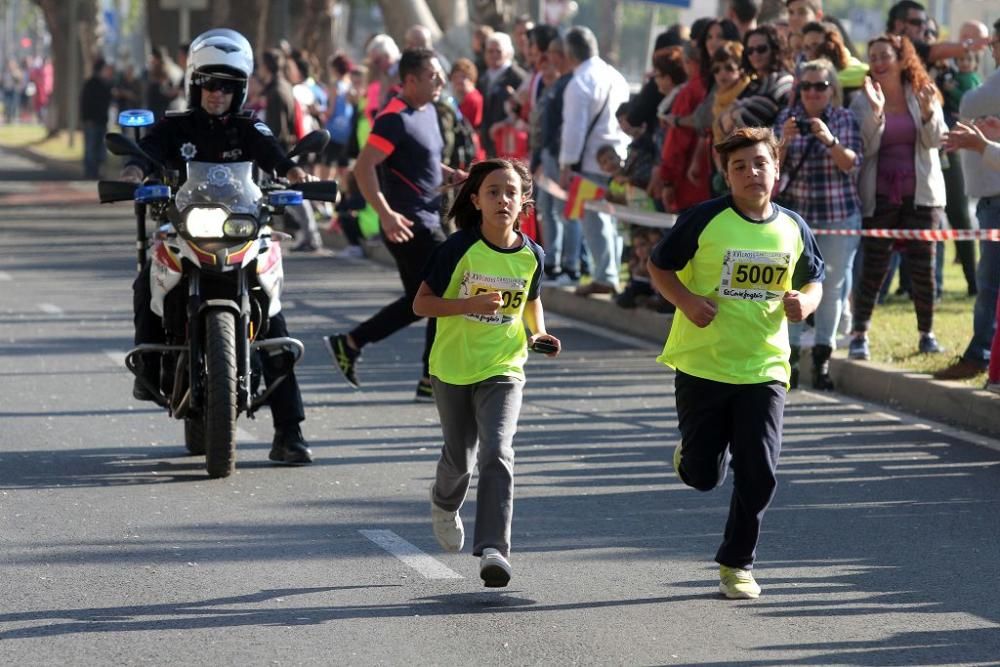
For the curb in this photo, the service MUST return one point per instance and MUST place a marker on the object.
(919, 394)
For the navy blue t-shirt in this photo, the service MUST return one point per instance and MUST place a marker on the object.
(411, 174)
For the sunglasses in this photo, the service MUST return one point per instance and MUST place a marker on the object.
(214, 83)
(818, 86)
(725, 68)
(917, 23)
(761, 49)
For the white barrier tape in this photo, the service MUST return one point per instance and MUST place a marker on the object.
(667, 220)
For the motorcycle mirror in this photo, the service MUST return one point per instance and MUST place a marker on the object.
(119, 144)
(314, 142)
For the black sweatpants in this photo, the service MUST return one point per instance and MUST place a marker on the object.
(411, 258)
(735, 425)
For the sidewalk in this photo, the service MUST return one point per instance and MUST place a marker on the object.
(916, 393)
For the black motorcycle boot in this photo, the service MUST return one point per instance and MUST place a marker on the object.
(148, 367)
(289, 447)
(821, 367)
(793, 361)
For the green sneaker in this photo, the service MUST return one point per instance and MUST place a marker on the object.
(737, 584)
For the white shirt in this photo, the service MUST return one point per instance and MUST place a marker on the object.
(980, 179)
(593, 82)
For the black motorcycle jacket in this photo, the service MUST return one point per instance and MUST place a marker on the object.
(195, 135)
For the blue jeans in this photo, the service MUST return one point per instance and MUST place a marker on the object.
(93, 149)
(988, 284)
(838, 255)
(603, 240)
(562, 237)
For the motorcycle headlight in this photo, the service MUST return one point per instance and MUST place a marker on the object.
(239, 228)
(205, 223)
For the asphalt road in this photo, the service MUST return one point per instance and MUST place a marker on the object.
(880, 549)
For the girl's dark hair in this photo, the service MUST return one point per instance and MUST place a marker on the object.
(729, 32)
(464, 212)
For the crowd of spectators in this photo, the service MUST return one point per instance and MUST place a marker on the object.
(864, 135)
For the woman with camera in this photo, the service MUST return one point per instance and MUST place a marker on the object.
(820, 157)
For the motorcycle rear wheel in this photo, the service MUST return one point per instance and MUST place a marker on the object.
(220, 393)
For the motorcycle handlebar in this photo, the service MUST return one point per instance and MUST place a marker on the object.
(318, 190)
(112, 191)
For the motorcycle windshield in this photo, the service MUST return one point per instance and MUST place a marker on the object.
(229, 185)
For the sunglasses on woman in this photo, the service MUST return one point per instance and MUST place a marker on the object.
(725, 68)
(760, 48)
(818, 86)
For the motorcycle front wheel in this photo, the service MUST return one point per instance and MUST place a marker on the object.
(220, 393)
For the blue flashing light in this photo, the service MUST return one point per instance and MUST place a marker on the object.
(284, 198)
(146, 194)
(136, 118)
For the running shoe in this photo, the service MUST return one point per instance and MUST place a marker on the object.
(929, 344)
(425, 391)
(344, 358)
(858, 348)
(494, 569)
(737, 584)
(448, 528)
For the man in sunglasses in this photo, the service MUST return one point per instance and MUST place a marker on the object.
(909, 19)
(215, 129)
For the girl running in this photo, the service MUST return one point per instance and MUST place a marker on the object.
(483, 286)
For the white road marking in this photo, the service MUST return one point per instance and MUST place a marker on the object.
(116, 356)
(50, 308)
(425, 565)
(4, 276)
(245, 436)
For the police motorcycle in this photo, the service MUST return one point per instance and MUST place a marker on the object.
(216, 279)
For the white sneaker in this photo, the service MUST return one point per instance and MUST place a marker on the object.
(352, 252)
(494, 569)
(448, 528)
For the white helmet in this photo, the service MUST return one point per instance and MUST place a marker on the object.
(219, 57)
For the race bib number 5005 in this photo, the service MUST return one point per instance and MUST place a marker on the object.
(755, 275)
(512, 291)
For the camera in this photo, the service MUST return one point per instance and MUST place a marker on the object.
(544, 347)
(804, 125)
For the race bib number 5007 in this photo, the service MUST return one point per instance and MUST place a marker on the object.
(755, 275)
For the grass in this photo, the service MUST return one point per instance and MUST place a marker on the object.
(893, 335)
(35, 138)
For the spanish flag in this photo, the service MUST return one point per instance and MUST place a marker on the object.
(581, 190)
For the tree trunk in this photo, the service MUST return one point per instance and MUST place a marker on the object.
(315, 31)
(247, 17)
(67, 81)
(399, 16)
(610, 32)
(449, 13)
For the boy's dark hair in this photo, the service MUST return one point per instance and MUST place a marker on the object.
(899, 11)
(605, 149)
(341, 63)
(464, 212)
(745, 10)
(273, 60)
(413, 62)
(542, 35)
(745, 137)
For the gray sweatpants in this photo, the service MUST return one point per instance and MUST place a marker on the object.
(479, 416)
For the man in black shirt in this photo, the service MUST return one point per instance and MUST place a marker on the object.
(95, 101)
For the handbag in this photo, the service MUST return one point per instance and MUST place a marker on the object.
(578, 165)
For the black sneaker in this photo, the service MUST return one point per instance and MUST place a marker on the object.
(344, 358)
(290, 448)
(425, 391)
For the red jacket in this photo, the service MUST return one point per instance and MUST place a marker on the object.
(678, 151)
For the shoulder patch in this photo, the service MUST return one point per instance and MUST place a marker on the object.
(263, 129)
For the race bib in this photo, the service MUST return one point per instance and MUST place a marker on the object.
(513, 291)
(755, 275)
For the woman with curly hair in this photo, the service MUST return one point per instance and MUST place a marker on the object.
(901, 184)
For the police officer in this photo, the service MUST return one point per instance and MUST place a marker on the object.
(214, 129)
